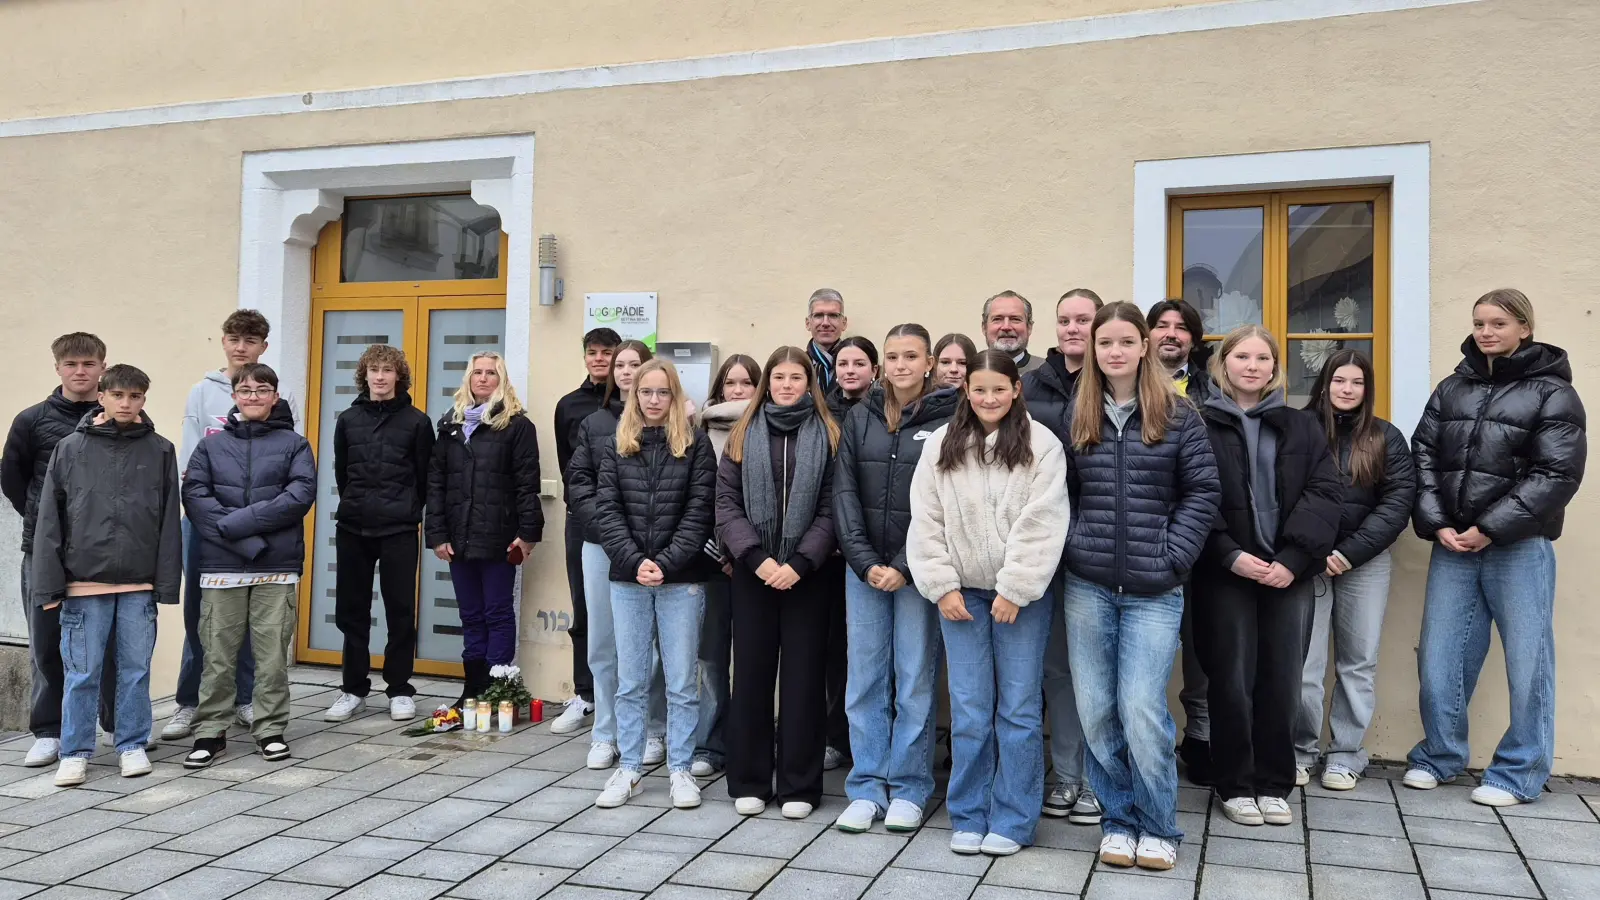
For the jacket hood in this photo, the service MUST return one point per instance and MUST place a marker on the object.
(1054, 375)
(279, 420)
(1227, 407)
(217, 376)
(1533, 359)
(722, 416)
(938, 404)
(110, 429)
(400, 400)
(75, 408)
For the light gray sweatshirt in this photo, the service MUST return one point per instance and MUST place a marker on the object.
(207, 410)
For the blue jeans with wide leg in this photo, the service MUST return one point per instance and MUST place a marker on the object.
(997, 717)
(648, 619)
(126, 621)
(1512, 586)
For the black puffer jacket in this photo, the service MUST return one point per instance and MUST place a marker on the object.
(381, 452)
(1372, 516)
(34, 435)
(247, 491)
(872, 477)
(653, 505)
(571, 410)
(1141, 513)
(1309, 494)
(109, 512)
(596, 433)
(1505, 450)
(839, 405)
(1048, 391)
(484, 493)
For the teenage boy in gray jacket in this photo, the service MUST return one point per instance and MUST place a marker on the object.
(106, 550)
(247, 493)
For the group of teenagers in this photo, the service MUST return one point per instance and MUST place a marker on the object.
(1049, 531)
(771, 585)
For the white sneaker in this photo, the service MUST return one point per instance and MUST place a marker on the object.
(571, 718)
(832, 759)
(1302, 776)
(685, 790)
(622, 786)
(702, 768)
(1275, 810)
(858, 816)
(43, 752)
(343, 708)
(73, 770)
(180, 726)
(655, 751)
(402, 709)
(602, 755)
(996, 845)
(966, 843)
(1420, 779)
(1338, 778)
(749, 806)
(245, 715)
(1155, 853)
(796, 809)
(135, 763)
(903, 815)
(1116, 849)
(1488, 795)
(1243, 811)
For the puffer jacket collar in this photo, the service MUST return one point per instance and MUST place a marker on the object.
(933, 406)
(1531, 360)
(110, 429)
(279, 419)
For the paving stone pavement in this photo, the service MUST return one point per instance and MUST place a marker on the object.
(361, 811)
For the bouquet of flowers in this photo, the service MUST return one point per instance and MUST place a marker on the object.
(445, 718)
(505, 683)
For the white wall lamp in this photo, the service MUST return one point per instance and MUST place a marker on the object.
(551, 288)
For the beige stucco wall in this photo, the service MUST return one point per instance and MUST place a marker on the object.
(82, 55)
(916, 189)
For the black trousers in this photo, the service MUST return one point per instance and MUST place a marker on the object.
(779, 638)
(832, 576)
(395, 556)
(1252, 641)
(582, 680)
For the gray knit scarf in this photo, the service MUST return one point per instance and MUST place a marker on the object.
(762, 482)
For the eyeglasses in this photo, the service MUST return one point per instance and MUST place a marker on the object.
(655, 393)
(253, 393)
(828, 316)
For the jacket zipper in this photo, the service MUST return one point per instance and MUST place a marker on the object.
(1122, 527)
(1472, 443)
(651, 470)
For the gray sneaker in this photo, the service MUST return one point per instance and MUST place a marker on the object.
(1087, 810)
(1058, 803)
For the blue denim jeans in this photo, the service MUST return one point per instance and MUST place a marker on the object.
(893, 642)
(716, 650)
(1122, 649)
(193, 663)
(996, 701)
(87, 625)
(647, 619)
(603, 653)
(1514, 587)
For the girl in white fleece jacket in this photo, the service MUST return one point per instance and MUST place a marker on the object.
(988, 521)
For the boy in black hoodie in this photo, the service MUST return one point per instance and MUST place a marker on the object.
(107, 550)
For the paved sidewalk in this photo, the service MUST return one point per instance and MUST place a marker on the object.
(364, 812)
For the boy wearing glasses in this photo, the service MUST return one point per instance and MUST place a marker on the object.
(247, 492)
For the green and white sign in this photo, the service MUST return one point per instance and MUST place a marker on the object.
(630, 314)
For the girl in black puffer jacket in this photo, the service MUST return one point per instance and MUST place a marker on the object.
(1278, 519)
(483, 511)
(1500, 452)
(1144, 493)
(1353, 590)
(893, 632)
(654, 508)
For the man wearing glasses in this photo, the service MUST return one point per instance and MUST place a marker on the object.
(826, 321)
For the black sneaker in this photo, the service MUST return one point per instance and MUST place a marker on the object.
(273, 748)
(1058, 803)
(1196, 756)
(1086, 811)
(206, 751)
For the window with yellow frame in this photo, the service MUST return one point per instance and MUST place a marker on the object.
(1312, 266)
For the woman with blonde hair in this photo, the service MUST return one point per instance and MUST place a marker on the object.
(654, 507)
(484, 514)
(1279, 518)
(775, 517)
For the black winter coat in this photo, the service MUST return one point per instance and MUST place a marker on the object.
(33, 437)
(381, 452)
(1310, 492)
(739, 534)
(1372, 516)
(571, 410)
(1142, 513)
(1048, 391)
(1505, 450)
(653, 505)
(247, 491)
(872, 477)
(839, 405)
(595, 435)
(108, 512)
(484, 493)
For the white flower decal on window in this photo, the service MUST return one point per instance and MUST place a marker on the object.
(1347, 312)
(1315, 353)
